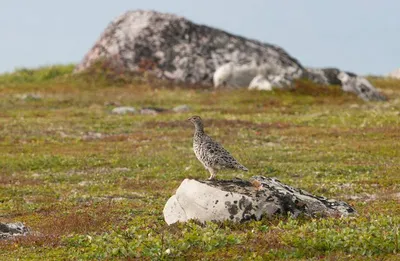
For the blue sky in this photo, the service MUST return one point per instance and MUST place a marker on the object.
(362, 36)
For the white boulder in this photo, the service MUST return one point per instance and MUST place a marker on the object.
(181, 108)
(239, 200)
(236, 76)
(243, 75)
(123, 110)
(260, 83)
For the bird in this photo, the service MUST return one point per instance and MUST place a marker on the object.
(210, 153)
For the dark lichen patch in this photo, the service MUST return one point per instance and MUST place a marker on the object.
(232, 208)
(233, 186)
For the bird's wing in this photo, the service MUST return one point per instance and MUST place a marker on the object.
(217, 155)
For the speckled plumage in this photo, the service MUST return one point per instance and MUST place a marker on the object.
(210, 153)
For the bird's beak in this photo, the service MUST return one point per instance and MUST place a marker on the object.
(188, 119)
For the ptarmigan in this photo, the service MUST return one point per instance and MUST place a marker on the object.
(210, 153)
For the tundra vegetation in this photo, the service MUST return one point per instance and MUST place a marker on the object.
(92, 185)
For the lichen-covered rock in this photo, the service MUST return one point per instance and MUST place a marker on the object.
(9, 230)
(179, 50)
(239, 200)
(350, 82)
(360, 86)
(174, 48)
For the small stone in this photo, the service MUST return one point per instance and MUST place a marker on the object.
(123, 110)
(354, 106)
(92, 136)
(182, 108)
(84, 183)
(152, 110)
(30, 97)
(63, 134)
(122, 169)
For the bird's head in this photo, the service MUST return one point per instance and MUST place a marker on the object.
(197, 121)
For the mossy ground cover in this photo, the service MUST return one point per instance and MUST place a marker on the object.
(92, 185)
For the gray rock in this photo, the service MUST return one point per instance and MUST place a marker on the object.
(350, 82)
(180, 50)
(93, 136)
(9, 230)
(360, 86)
(181, 108)
(240, 200)
(174, 48)
(122, 169)
(123, 110)
(30, 97)
(152, 110)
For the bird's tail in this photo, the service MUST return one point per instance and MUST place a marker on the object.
(240, 166)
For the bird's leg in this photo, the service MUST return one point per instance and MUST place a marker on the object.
(213, 172)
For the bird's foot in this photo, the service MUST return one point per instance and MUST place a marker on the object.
(212, 173)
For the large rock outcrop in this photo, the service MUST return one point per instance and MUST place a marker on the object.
(180, 50)
(239, 200)
(174, 48)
